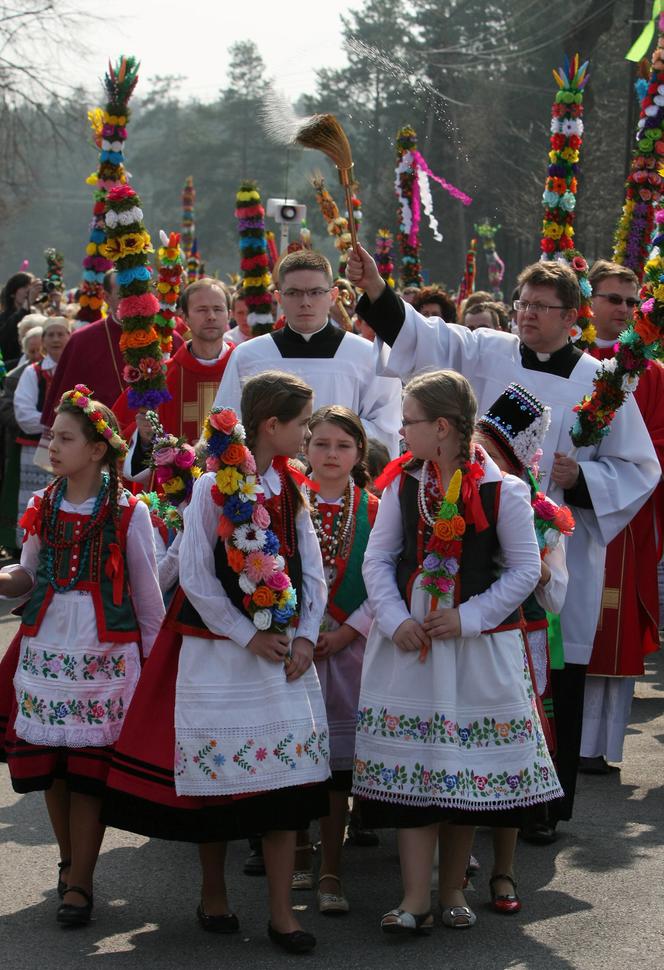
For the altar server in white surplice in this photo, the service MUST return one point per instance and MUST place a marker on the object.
(605, 484)
(339, 366)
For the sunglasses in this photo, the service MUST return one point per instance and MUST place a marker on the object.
(616, 300)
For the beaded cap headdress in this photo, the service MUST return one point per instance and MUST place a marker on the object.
(517, 421)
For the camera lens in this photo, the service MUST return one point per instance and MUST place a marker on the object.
(288, 213)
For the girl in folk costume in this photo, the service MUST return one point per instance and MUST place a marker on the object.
(228, 736)
(447, 724)
(511, 432)
(343, 513)
(93, 605)
(29, 400)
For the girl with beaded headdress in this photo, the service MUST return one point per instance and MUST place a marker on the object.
(92, 609)
(227, 737)
(343, 513)
(447, 730)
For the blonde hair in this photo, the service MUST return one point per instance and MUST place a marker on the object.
(447, 394)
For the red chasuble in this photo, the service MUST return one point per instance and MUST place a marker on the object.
(192, 386)
(629, 619)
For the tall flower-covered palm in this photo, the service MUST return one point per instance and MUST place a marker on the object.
(494, 264)
(560, 189)
(643, 189)
(127, 246)
(110, 133)
(171, 268)
(250, 216)
(410, 274)
(188, 218)
(384, 255)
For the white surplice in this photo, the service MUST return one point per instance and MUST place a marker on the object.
(620, 472)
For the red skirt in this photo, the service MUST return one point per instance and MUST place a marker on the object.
(35, 767)
(140, 789)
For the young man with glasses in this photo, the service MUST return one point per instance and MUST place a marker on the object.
(605, 484)
(339, 366)
(629, 620)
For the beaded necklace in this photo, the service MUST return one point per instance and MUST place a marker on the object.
(288, 535)
(338, 543)
(84, 539)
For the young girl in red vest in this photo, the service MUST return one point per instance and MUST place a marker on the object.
(447, 725)
(343, 513)
(227, 737)
(93, 605)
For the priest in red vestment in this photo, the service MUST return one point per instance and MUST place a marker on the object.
(629, 620)
(192, 376)
(93, 357)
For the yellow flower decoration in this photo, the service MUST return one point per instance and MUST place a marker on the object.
(228, 480)
(174, 485)
(454, 488)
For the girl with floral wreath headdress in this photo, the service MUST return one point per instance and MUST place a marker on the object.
(448, 730)
(92, 608)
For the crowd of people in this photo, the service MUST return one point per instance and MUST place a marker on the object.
(416, 595)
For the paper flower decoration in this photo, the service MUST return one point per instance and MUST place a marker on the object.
(384, 255)
(337, 225)
(188, 223)
(560, 188)
(468, 282)
(619, 376)
(495, 266)
(583, 333)
(109, 134)
(55, 262)
(643, 188)
(171, 268)
(127, 245)
(250, 216)
(173, 461)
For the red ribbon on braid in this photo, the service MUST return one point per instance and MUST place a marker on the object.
(282, 464)
(115, 571)
(392, 470)
(472, 503)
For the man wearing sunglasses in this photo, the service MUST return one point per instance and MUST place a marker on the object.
(605, 484)
(629, 618)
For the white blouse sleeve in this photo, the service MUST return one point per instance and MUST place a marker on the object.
(361, 619)
(27, 416)
(169, 564)
(142, 568)
(552, 596)
(314, 588)
(380, 559)
(197, 572)
(520, 559)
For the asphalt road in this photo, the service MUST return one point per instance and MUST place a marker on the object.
(595, 899)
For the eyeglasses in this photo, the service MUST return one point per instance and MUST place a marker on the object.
(616, 300)
(406, 422)
(537, 307)
(315, 294)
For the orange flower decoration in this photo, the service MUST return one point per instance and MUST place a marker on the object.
(138, 338)
(235, 558)
(234, 455)
(459, 525)
(647, 331)
(443, 529)
(226, 528)
(264, 597)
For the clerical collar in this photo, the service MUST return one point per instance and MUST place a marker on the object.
(601, 342)
(323, 343)
(561, 362)
(307, 336)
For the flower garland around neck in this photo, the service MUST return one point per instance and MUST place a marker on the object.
(441, 563)
(173, 461)
(159, 506)
(252, 548)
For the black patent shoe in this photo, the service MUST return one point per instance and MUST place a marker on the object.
(226, 923)
(254, 864)
(69, 915)
(62, 885)
(541, 833)
(296, 942)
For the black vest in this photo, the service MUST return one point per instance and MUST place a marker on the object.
(479, 560)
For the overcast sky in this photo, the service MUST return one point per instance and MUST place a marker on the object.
(191, 37)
